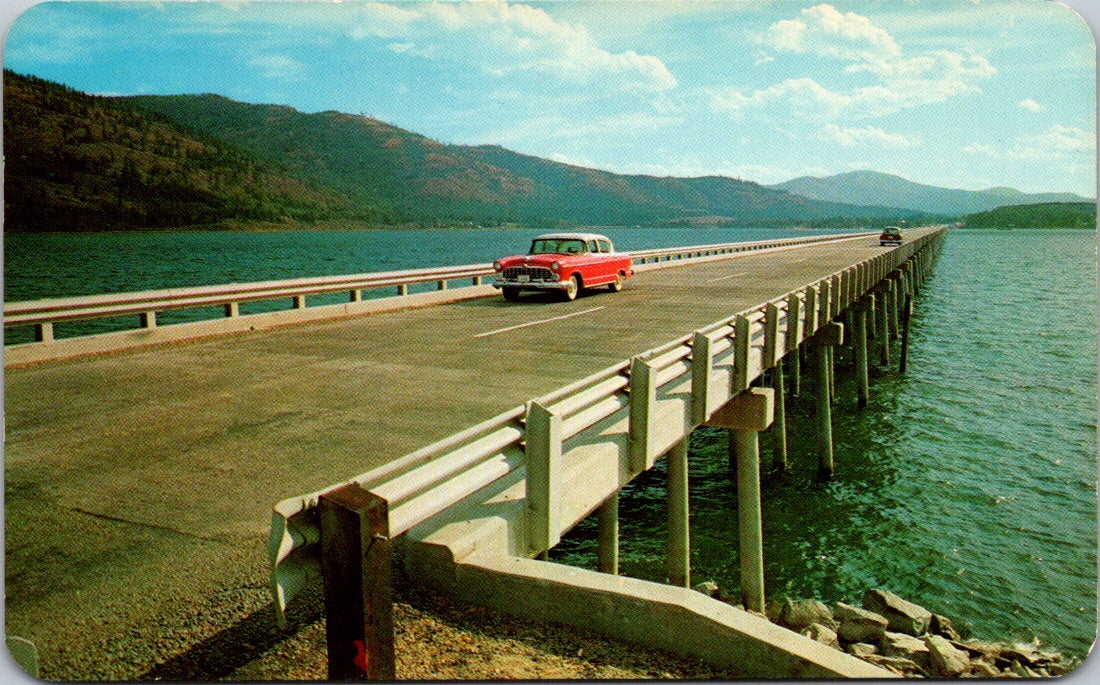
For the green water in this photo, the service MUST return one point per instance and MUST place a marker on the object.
(968, 485)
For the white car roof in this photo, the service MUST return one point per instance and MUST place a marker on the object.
(571, 236)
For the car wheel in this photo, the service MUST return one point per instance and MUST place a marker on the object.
(572, 288)
(617, 285)
(510, 294)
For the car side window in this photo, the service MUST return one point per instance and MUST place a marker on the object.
(605, 246)
(592, 246)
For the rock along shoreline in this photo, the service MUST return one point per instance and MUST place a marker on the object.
(907, 639)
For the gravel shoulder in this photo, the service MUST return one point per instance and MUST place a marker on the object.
(213, 619)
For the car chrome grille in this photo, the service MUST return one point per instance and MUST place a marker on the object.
(534, 273)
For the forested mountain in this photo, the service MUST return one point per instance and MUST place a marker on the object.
(1043, 215)
(76, 162)
(874, 188)
(81, 162)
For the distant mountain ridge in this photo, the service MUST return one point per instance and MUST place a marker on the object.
(411, 177)
(75, 162)
(887, 190)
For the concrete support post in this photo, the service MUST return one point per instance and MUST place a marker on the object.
(892, 300)
(148, 319)
(882, 334)
(906, 314)
(679, 533)
(823, 413)
(860, 343)
(831, 335)
(441, 285)
(232, 310)
(299, 302)
(796, 372)
(608, 518)
(749, 519)
(779, 427)
(403, 289)
(355, 295)
(356, 554)
(746, 415)
(544, 473)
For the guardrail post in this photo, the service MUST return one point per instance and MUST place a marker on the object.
(355, 295)
(544, 469)
(232, 310)
(701, 366)
(356, 553)
(148, 319)
(403, 289)
(794, 340)
(742, 342)
(679, 532)
(43, 332)
(643, 401)
(771, 335)
(441, 285)
(299, 302)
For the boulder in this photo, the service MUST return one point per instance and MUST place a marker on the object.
(711, 589)
(944, 659)
(861, 649)
(981, 668)
(823, 634)
(858, 625)
(941, 625)
(896, 664)
(906, 647)
(800, 614)
(902, 616)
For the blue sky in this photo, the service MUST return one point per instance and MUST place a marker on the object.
(959, 93)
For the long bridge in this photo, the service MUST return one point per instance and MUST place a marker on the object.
(481, 431)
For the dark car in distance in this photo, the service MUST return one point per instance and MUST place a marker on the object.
(891, 235)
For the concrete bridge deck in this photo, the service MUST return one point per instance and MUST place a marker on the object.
(120, 469)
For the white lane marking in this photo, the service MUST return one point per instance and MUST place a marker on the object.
(723, 278)
(536, 323)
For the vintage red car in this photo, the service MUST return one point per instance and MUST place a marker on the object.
(565, 262)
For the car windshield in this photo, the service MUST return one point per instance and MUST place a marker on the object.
(557, 246)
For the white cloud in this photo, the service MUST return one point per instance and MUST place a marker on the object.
(1057, 142)
(868, 135)
(502, 38)
(1030, 105)
(277, 66)
(902, 81)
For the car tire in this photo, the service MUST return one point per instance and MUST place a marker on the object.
(572, 288)
(617, 285)
(510, 294)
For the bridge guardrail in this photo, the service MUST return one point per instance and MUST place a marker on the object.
(716, 362)
(44, 314)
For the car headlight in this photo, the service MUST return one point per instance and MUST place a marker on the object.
(497, 266)
(555, 266)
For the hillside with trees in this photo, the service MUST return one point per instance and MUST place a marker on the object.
(77, 162)
(1042, 215)
(80, 162)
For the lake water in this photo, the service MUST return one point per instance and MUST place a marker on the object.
(967, 486)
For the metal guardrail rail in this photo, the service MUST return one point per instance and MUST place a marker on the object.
(44, 314)
(714, 363)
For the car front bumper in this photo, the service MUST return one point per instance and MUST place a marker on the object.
(531, 285)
